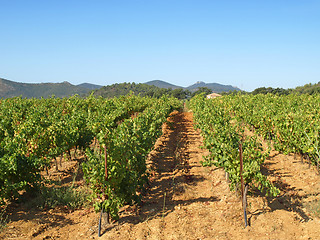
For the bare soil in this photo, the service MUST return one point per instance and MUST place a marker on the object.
(188, 201)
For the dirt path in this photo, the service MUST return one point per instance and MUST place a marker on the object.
(188, 201)
(181, 191)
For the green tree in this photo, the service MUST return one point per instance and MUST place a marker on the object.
(202, 90)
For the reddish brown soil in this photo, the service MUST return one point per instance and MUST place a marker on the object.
(188, 201)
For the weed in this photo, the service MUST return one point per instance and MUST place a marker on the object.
(3, 219)
(57, 195)
(314, 207)
(68, 197)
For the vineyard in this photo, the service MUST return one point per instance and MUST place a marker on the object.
(139, 152)
(121, 131)
(291, 123)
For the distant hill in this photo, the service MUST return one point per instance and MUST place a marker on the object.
(37, 90)
(155, 88)
(162, 84)
(119, 89)
(89, 86)
(215, 87)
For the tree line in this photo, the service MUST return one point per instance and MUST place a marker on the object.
(145, 90)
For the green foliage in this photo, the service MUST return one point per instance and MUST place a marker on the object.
(127, 146)
(291, 122)
(309, 89)
(17, 173)
(141, 89)
(67, 197)
(35, 131)
(222, 137)
(3, 218)
(277, 91)
(179, 93)
(200, 90)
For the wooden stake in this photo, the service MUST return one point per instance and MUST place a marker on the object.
(106, 162)
(56, 162)
(241, 168)
(100, 220)
(106, 174)
(244, 188)
(61, 156)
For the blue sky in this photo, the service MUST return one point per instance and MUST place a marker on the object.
(248, 44)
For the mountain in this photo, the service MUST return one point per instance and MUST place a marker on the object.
(215, 87)
(162, 84)
(152, 88)
(89, 86)
(37, 90)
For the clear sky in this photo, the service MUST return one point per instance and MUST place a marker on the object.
(248, 44)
